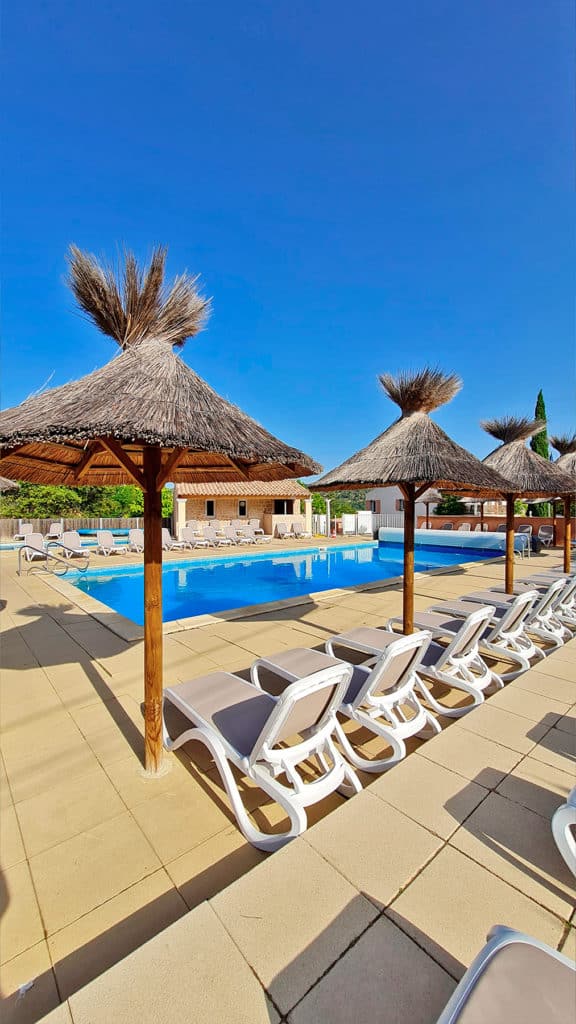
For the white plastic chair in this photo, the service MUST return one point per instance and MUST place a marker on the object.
(34, 547)
(563, 821)
(170, 543)
(515, 979)
(246, 727)
(70, 545)
(464, 528)
(107, 545)
(381, 698)
(55, 531)
(136, 541)
(25, 530)
(191, 540)
(282, 530)
(546, 535)
(215, 538)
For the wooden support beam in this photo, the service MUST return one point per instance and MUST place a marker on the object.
(421, 490)
(37, 460)
(152, 611)
(171, 463)
(116, 449)
(567, 531)
(87, 459)
(509, 570)
(408, 490)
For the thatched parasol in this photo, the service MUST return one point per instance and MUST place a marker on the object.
(431, 497)
(7, 485)
(144, 418)
(531, 475)
(567, 463)
(414, 454)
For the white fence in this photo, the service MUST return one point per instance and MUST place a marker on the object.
(358, 524)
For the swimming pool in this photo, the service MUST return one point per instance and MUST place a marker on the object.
(219, 584)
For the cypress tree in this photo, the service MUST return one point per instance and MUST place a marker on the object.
(539, 442)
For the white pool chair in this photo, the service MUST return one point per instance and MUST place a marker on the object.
(216, 539)
(136, 541)
(464, 528)
(70, 545)
(542, 621)
(299, 529)
(255, 524)
(257, 538)
(515, 979)
(563, 823)
(34, 547)
(25, 530)
(282, 531)
(504, 637)
(235, 537)
(55, 531)
(170, 543)
(243, 726)
(459, 665)
(107, 545)
(447, 526)
(381, 698)
(191, 540)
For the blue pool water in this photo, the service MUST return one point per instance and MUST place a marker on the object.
(218, 584)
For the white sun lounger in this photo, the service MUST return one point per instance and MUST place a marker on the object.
(136, 541)
(55, 531)
(214, 538)
(70, 545)
(541, 622)
(257, 538)
(515, 979)
(381, 698)
(34, 547)
(25, 530)
(564, 607)
(504, 637)
(299, 529)
(170, 543)
(563, 822)
(107, 545)
(459, 665)
(235, 537)
(243, 726)
(190, 538)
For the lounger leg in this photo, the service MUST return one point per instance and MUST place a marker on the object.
(443, 709)
(261, 840)
(397, 744)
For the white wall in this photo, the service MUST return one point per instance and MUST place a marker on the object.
(388, 496)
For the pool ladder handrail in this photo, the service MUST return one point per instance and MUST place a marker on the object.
(63, 564)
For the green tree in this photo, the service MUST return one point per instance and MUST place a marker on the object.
(539, 442)
(451, 505)
(520, 508)
(167, 502)
(39, 501)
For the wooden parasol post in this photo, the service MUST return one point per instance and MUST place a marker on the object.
(408, 591)
(152, 610)
(427, 515)
(567, 531)
(481, 517)
(509, 584)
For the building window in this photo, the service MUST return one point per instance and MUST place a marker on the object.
(281, 507)
(400, 504)
(242, 509)
(373, 506)
(210, 509)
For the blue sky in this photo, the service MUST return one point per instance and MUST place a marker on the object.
(363, 188)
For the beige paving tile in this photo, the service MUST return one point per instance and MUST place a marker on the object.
(81, 873)
(28, 986)
(383, 977)
(351, 839)
(89, 946)
(5, 794)
(430, 794)
(135, 787)
(36, 772)
(11, 846)
(61, 1015)
(567, 722)
(568, 947)
(516, 844)
(295, 894)
(113, 730)
(74, 805)
(194, 963)
(451, 906)
(530, 705)
(557, 749)
(538, 786)
(560, 668)
(20, 922)
(213, 865)
(470, 755)
(548, 686)
(178, 820)
(512, 731)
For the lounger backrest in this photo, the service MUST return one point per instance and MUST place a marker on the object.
(136, 536)
(209, 532)
(36, 541)
(465, 642)
(399, 661)
(525, 529)
(105, 538)
(447, 526)
(511, 624)
(281, 529)
(55, 530)
(188, 534)
(464, 528)
(71, 539)
(254, 523)
(547, 600)
(26, 529)
(305, 706)
(546, 531)
(230, 532)
(501, 528)
(248, 531)
(166, 538)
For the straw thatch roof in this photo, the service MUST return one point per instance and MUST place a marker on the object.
(567, 448)
(244, 489)
(530, 474)
(430, 496)
(146, 395)
(7, 485)
(415, 449)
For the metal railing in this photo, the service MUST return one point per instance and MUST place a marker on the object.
(51, 562)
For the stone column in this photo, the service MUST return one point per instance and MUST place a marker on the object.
(179, 516)
(328, 517)
(308, 515)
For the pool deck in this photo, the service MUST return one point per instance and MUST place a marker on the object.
(130, 899)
